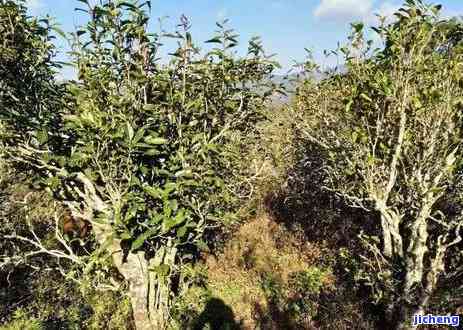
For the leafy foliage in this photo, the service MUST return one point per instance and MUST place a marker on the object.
(30, 98)
(159, 155)
(389, 134)
(166, 140)
(160, 146)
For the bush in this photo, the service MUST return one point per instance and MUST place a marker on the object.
(388, 133)
(151, 155)
(31, 99)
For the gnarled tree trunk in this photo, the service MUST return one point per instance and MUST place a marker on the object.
(149, 290)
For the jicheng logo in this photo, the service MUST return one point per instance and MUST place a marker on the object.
(452, 320)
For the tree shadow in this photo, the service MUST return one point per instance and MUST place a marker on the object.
(304, 205)
(216, 316)
(272, 317)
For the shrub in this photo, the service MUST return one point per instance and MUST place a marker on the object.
(31, 99)
(389, 135)
(150, 154)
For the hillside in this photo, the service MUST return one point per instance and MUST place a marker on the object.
(211, 192)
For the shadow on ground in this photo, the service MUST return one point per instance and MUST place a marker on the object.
(304, 206)
(216, 316)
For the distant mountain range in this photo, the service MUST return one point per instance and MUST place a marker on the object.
(292, 80)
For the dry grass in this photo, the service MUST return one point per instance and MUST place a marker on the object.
(269, 277)
(260, 248)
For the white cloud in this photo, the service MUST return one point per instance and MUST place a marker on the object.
(222, 14)
(343, 9)
(386, 10)
(349, 10)
(66, 73)
(34, 6)
(448, 13)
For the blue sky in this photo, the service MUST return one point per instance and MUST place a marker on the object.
(286, 26)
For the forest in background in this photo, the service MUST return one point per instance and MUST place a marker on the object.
(179, 195)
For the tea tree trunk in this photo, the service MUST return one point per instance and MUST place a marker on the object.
(148, 289)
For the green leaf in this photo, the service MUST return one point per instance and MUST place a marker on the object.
(161, 270)
(140, 240)
(173, 204)
(202, 245)
(125, 236)
(184, 173)
(215, 40)
(170, 223)
(153, 192)
(42, 136)
(155, 140)
(365, 97)
(151, 152)
(181, 232)
(59, 31)
(156, 218)
(349, 105)
(126, 4)
(358, 26)
(169, 187)
(149, 107)
(129, 131)
(140, 133)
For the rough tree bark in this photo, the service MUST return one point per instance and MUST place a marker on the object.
(149, 292)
